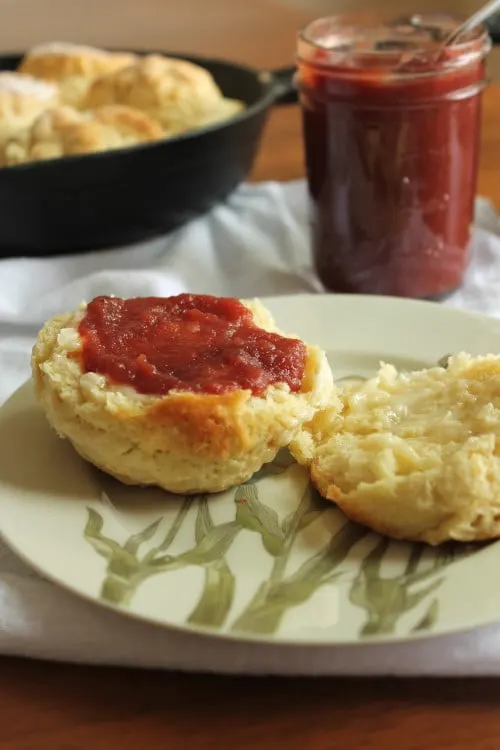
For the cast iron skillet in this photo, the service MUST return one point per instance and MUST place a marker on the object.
(101, 200)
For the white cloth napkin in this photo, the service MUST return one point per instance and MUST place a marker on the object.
(254, 245)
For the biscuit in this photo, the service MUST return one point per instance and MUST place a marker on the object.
(72, 67)
(22, 100)
(415, 456)
(64, 131)
(177, 93)
(225, 109)
(184, 442)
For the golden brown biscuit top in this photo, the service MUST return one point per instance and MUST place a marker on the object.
(64, 131)
(177, 92)
(59, 60)
(225, 109)
(64, 48)
(22, 100)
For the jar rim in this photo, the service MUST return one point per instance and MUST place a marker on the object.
(406, 46)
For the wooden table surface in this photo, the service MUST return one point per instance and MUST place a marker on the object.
(57, 707)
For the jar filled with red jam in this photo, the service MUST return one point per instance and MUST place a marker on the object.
(391, 126)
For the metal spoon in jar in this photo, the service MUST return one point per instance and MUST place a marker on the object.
(435, 31)
(487, 10)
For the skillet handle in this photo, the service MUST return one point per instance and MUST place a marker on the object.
(284, 85)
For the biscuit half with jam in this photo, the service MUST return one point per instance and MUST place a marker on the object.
(191, 393)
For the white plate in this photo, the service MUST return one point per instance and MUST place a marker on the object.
(268, 560)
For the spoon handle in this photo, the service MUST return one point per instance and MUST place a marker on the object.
(488, 9)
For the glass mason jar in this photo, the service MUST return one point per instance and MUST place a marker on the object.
(391, 126)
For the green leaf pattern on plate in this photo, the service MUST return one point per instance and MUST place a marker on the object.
(126, 570)
(384, 600)
(217, 596)
(429, 619)
(253, 515)
(280, 592)
(280, 464)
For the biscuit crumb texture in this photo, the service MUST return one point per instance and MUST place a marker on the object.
(183, 442)
(414, 456)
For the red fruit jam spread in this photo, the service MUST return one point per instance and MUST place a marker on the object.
(391, 128)
(190, 342)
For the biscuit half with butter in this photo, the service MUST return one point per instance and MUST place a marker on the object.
(415, 456)
(191, 393)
